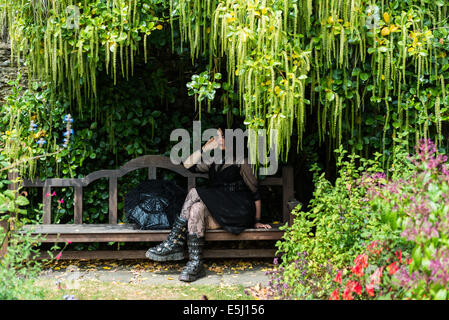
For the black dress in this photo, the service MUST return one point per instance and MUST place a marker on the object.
(230, 196)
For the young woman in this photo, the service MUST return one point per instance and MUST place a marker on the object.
(231, 202)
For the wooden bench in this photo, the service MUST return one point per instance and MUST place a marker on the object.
(80, 232)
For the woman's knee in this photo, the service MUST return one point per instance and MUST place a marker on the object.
(193, 191)
(197, 210)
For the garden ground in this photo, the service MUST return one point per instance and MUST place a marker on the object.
(226, 279)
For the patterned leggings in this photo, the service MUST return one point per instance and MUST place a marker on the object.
(196, 214)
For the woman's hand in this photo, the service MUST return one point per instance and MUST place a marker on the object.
(210, 144)
(214, 142)
(259, 225)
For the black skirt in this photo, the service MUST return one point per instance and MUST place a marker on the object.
(228, 199)
(235, 211)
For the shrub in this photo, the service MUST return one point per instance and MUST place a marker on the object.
(328, 236)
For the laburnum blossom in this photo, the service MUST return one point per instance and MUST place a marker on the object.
(335, 295)
(338, 277)
(392, 268)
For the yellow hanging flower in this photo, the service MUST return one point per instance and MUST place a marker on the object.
(385, 31)
(277, 90)
(264, 10)
(394, 28)
(159, 27)
(387, 17)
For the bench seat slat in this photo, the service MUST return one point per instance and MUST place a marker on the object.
(125, 232)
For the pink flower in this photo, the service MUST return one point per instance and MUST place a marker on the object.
(69, 242)
(58, 256)
(47, 194)
(54, 193)
(62, 201)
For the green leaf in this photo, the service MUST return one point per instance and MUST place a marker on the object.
(22, 201)
(330, 96)
(364, 76)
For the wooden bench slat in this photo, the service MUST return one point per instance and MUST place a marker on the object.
(125, 232)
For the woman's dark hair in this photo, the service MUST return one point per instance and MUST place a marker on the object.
(223, 126)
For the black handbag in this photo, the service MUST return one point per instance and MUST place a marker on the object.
(154, 204)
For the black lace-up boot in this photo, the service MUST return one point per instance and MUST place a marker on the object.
(194, 268)
(174, 247)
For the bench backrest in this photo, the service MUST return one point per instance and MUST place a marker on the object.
(152, 162)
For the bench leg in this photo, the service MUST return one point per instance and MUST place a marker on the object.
(4, 245)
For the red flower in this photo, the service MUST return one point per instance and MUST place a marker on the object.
(370, 289)
(361, 262)
(338, 277)
(375, 277)
(399, 255)
(392, 268)
(347, 294)
(356, 287)
(335, 295)
(357, 270)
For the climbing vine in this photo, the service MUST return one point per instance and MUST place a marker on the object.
(67, 42)
(358, 72)
(355, 63)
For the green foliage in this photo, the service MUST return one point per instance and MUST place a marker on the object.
(202, 88)
(67, 42)
(368, 70)
(17, 270)
(332, 231)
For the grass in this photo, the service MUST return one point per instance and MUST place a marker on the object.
(107, 290)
